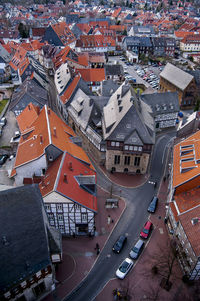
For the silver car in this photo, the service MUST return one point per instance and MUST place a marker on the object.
(124, 268)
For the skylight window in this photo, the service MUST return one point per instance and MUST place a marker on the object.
(186, 146)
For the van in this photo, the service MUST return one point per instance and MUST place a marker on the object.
(137, 249)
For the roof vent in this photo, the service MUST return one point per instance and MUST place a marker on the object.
(195, 220)
(41, 139)
(70, 165)
(120, 108)
(54, 131)
(65, 178)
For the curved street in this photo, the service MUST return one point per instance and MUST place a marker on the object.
(130, 223)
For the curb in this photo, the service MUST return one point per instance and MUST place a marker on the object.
(82, 281)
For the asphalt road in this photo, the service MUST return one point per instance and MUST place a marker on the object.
(131, 222)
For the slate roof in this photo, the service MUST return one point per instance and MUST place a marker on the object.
(24, 243)
(126, 118)
(113, 69)
(28, 91)
(4, 54)
(109, 87)
(162, 103)
(176, 76)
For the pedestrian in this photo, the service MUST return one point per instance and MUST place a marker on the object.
(109, 219)
(97, 246)
(98, 251)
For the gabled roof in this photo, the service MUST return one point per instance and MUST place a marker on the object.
(73, 179)
(24, 247)
(162, 103)
(186, 160)
(18, 58)
(28, 91)
(47, 129)
(125, 114)
(93, 74)
(64, 33)
(176, 76)
(70, 89)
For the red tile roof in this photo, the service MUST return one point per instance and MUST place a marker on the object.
(64, 33)
(61, 177)
(93, 74)
(70, 89)
(47, 129)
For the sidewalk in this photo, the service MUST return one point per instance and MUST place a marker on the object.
(141, 282)
(79, 254)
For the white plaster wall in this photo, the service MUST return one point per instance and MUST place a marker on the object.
(29, 169)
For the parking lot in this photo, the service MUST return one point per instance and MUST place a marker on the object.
(141, 74)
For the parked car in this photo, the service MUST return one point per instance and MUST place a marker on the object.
(119, 244)
(137, 249)
(3, 121)
(153, 205)
(124, 268)
(146, 230)
(3, 159)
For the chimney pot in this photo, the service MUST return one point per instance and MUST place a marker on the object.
(49, 111)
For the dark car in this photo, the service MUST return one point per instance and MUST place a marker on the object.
(153, 205)
(146, 230)
(3, 159)
(119, 244)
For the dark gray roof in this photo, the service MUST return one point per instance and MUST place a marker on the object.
(162, 103)
(138, 41)
(55, 240)
(28, 91)
(24, 244)
(128, 119)
(4, 54)
(109, 87)
(147, 30)
(76, 31)
(116, 69)
(196, 74)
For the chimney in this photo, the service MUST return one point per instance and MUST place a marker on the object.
(65, 178)
(41, 139)
(29, 107)
(54, 131)
(49, 111)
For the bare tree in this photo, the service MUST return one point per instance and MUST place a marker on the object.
(165, 261)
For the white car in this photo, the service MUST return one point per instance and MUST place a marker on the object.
(124, 268)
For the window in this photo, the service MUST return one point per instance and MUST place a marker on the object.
(39, 289)
(130, 147)
(140, 148)
(127, 160)
(48, 207)
(62, 228)
(51, 216)
(84, 216)
(59, 207)
(77, 206)
(135, 148)
(112, 143)
(60, 217)
(117, 143)
(126, 147)
(137, 161)
(117, 159)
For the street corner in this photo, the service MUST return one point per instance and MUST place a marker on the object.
(65, 269)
